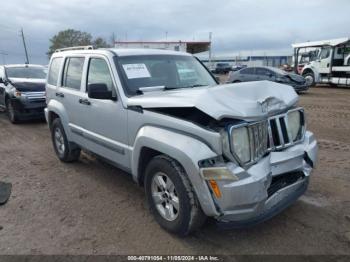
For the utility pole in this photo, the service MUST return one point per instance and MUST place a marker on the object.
(113, 40)
(25, 47)
(3, 57)
(210, 39)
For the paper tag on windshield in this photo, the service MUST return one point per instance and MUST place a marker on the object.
(136, 71)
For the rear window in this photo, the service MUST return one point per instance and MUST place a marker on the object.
(54, 71)
(73, 72)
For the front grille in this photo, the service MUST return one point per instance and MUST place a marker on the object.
(281, 181)
(258, 140)
(279, 136)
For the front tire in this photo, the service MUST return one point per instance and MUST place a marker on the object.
(11, 112)
(310, 78)
(171, 198)
(66, 151)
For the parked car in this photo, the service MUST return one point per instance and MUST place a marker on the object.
(271, 74)
(237, 153)
(22, 91)
(238, 67)
(222, 68)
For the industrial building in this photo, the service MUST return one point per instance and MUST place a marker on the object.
(253, 58)
(202, 49)
(192, 47)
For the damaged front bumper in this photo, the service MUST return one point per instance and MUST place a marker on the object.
(266, 188)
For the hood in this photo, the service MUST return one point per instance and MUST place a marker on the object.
(296, 78)
(28, 84)
(248, 101)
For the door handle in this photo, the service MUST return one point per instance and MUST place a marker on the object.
(84, 101)
(60, 94)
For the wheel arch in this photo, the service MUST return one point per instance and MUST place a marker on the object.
(57, 110)
(187, 151)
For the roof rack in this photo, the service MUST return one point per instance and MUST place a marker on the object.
(87, 47)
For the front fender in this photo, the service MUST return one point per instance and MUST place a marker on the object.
(183, 148)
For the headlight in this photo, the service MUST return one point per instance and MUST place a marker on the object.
(294, 124)
(240, 143)
(17, 93)
(248, 142)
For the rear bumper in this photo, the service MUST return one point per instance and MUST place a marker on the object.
(268, 187)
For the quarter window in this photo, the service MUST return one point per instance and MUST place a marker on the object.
(73, 72)
(99, 73)
(54, 71)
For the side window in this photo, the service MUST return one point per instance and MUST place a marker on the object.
(248, 71)
(99, 73)
(325, 53)
(73, 71)
(2, 75)
(54, 71)
(263, 72)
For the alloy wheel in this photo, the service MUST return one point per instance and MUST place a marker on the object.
(165, 196)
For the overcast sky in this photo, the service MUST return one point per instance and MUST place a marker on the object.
(237, 25)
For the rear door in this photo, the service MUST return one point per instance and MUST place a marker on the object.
(70, 93)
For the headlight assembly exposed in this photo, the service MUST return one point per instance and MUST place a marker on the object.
(240, 143)
(294, 124)
(248, 142)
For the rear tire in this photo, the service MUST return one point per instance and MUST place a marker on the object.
(65, 150)
(236, 81)
(11, 112)
(171, 197)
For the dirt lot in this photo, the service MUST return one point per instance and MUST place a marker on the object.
(90, 207)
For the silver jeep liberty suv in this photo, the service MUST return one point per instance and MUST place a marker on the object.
(239, 153)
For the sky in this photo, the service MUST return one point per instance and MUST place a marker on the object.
(236, 25)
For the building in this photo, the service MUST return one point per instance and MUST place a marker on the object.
(192, 47)
(252, 58)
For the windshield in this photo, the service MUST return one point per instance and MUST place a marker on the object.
(25, 72)
(170, 71)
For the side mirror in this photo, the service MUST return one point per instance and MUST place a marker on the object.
(2, 80)
(100, 91)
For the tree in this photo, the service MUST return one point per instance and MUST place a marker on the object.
(99, 42)
(68, 38)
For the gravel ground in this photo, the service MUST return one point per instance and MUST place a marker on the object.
(89, 207)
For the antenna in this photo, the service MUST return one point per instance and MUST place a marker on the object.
(25, 47)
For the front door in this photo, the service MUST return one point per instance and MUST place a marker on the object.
(264, 74)
(325, 60)
(104, 120)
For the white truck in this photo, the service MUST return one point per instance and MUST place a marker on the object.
(332, 65)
